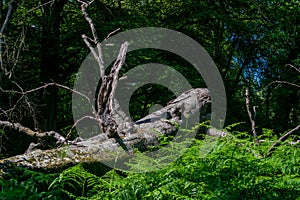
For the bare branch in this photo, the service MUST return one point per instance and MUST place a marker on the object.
(263, 15)
(95, 40)
(7, 17)
(16, 53)
(108, 36)
(294, 143)
(44, 87)
(292, 66)
(95, 55)
(105, 95)
(282, 139)
(41, 5)
(25, 93)
(18, 127)
(284, 82)
(250, 114)
(79, 120)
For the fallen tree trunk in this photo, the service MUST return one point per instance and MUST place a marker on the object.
(101, 148)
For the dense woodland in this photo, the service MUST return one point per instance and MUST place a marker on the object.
(256, 47)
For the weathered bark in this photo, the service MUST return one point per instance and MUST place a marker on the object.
(104, 113)
(42, 139)
(106, 95)
(142, 135)
(18, 127)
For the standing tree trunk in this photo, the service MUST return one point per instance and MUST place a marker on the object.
(50, 62)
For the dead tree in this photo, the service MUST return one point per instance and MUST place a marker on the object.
(104, 113)
(102, 147)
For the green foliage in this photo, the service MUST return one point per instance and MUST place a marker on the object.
(26, 184)
(11, 189)
(235, 169)
(250, 41)
(76, 181)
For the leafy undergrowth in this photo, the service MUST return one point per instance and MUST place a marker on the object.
(234, 169)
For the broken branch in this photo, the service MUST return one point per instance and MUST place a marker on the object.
(282, 139)
(18, 127)
(95, 40)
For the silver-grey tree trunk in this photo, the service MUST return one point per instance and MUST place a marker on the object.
(143, 134)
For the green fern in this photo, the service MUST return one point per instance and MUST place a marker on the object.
(234, 169)
(76, 181)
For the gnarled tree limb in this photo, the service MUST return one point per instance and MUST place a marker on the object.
(18, 127)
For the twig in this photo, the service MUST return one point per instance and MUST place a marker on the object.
(292, 66)
(111, 33)
(263, 15)
(95, 55)
(282, 139)
(44, 87)
(24, 93)
(16, 53)
(79, 120)
(284, 82)
(41, 5)
(294, 143)
(250, 114)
